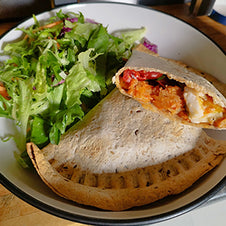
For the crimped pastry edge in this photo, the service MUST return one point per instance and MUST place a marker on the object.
(117, 199)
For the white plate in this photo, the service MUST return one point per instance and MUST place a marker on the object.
(175, 39)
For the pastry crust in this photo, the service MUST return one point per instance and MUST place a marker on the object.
(123, 190)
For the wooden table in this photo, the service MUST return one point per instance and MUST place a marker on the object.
(14, 211)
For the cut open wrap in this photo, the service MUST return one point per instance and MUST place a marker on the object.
(121, 156)
(173, 89)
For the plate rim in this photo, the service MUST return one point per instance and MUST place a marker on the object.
(100, 221)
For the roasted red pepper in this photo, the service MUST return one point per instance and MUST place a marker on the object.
(142, 75)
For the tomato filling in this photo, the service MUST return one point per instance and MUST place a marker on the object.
(168, 95)
(155, 87)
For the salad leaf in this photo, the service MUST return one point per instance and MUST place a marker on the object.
(57, 72)
(99, 40)
(62, 120)
(131, 36)
(39, 130)
(4, 104)
(78, 80)
(21, 106)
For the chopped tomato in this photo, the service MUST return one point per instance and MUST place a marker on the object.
(164, 94)
(141, 75)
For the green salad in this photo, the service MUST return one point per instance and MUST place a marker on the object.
(57, 72)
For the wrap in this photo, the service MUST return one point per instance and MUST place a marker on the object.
(121, 155)
(173, 89)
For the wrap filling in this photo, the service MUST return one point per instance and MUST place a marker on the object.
(169, 95)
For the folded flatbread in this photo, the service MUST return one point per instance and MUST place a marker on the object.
(173, 89)
(122, 155)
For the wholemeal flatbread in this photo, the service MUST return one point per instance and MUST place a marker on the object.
(173, 89)
(121, 156)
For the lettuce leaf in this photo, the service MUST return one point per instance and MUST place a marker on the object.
(58, 71)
